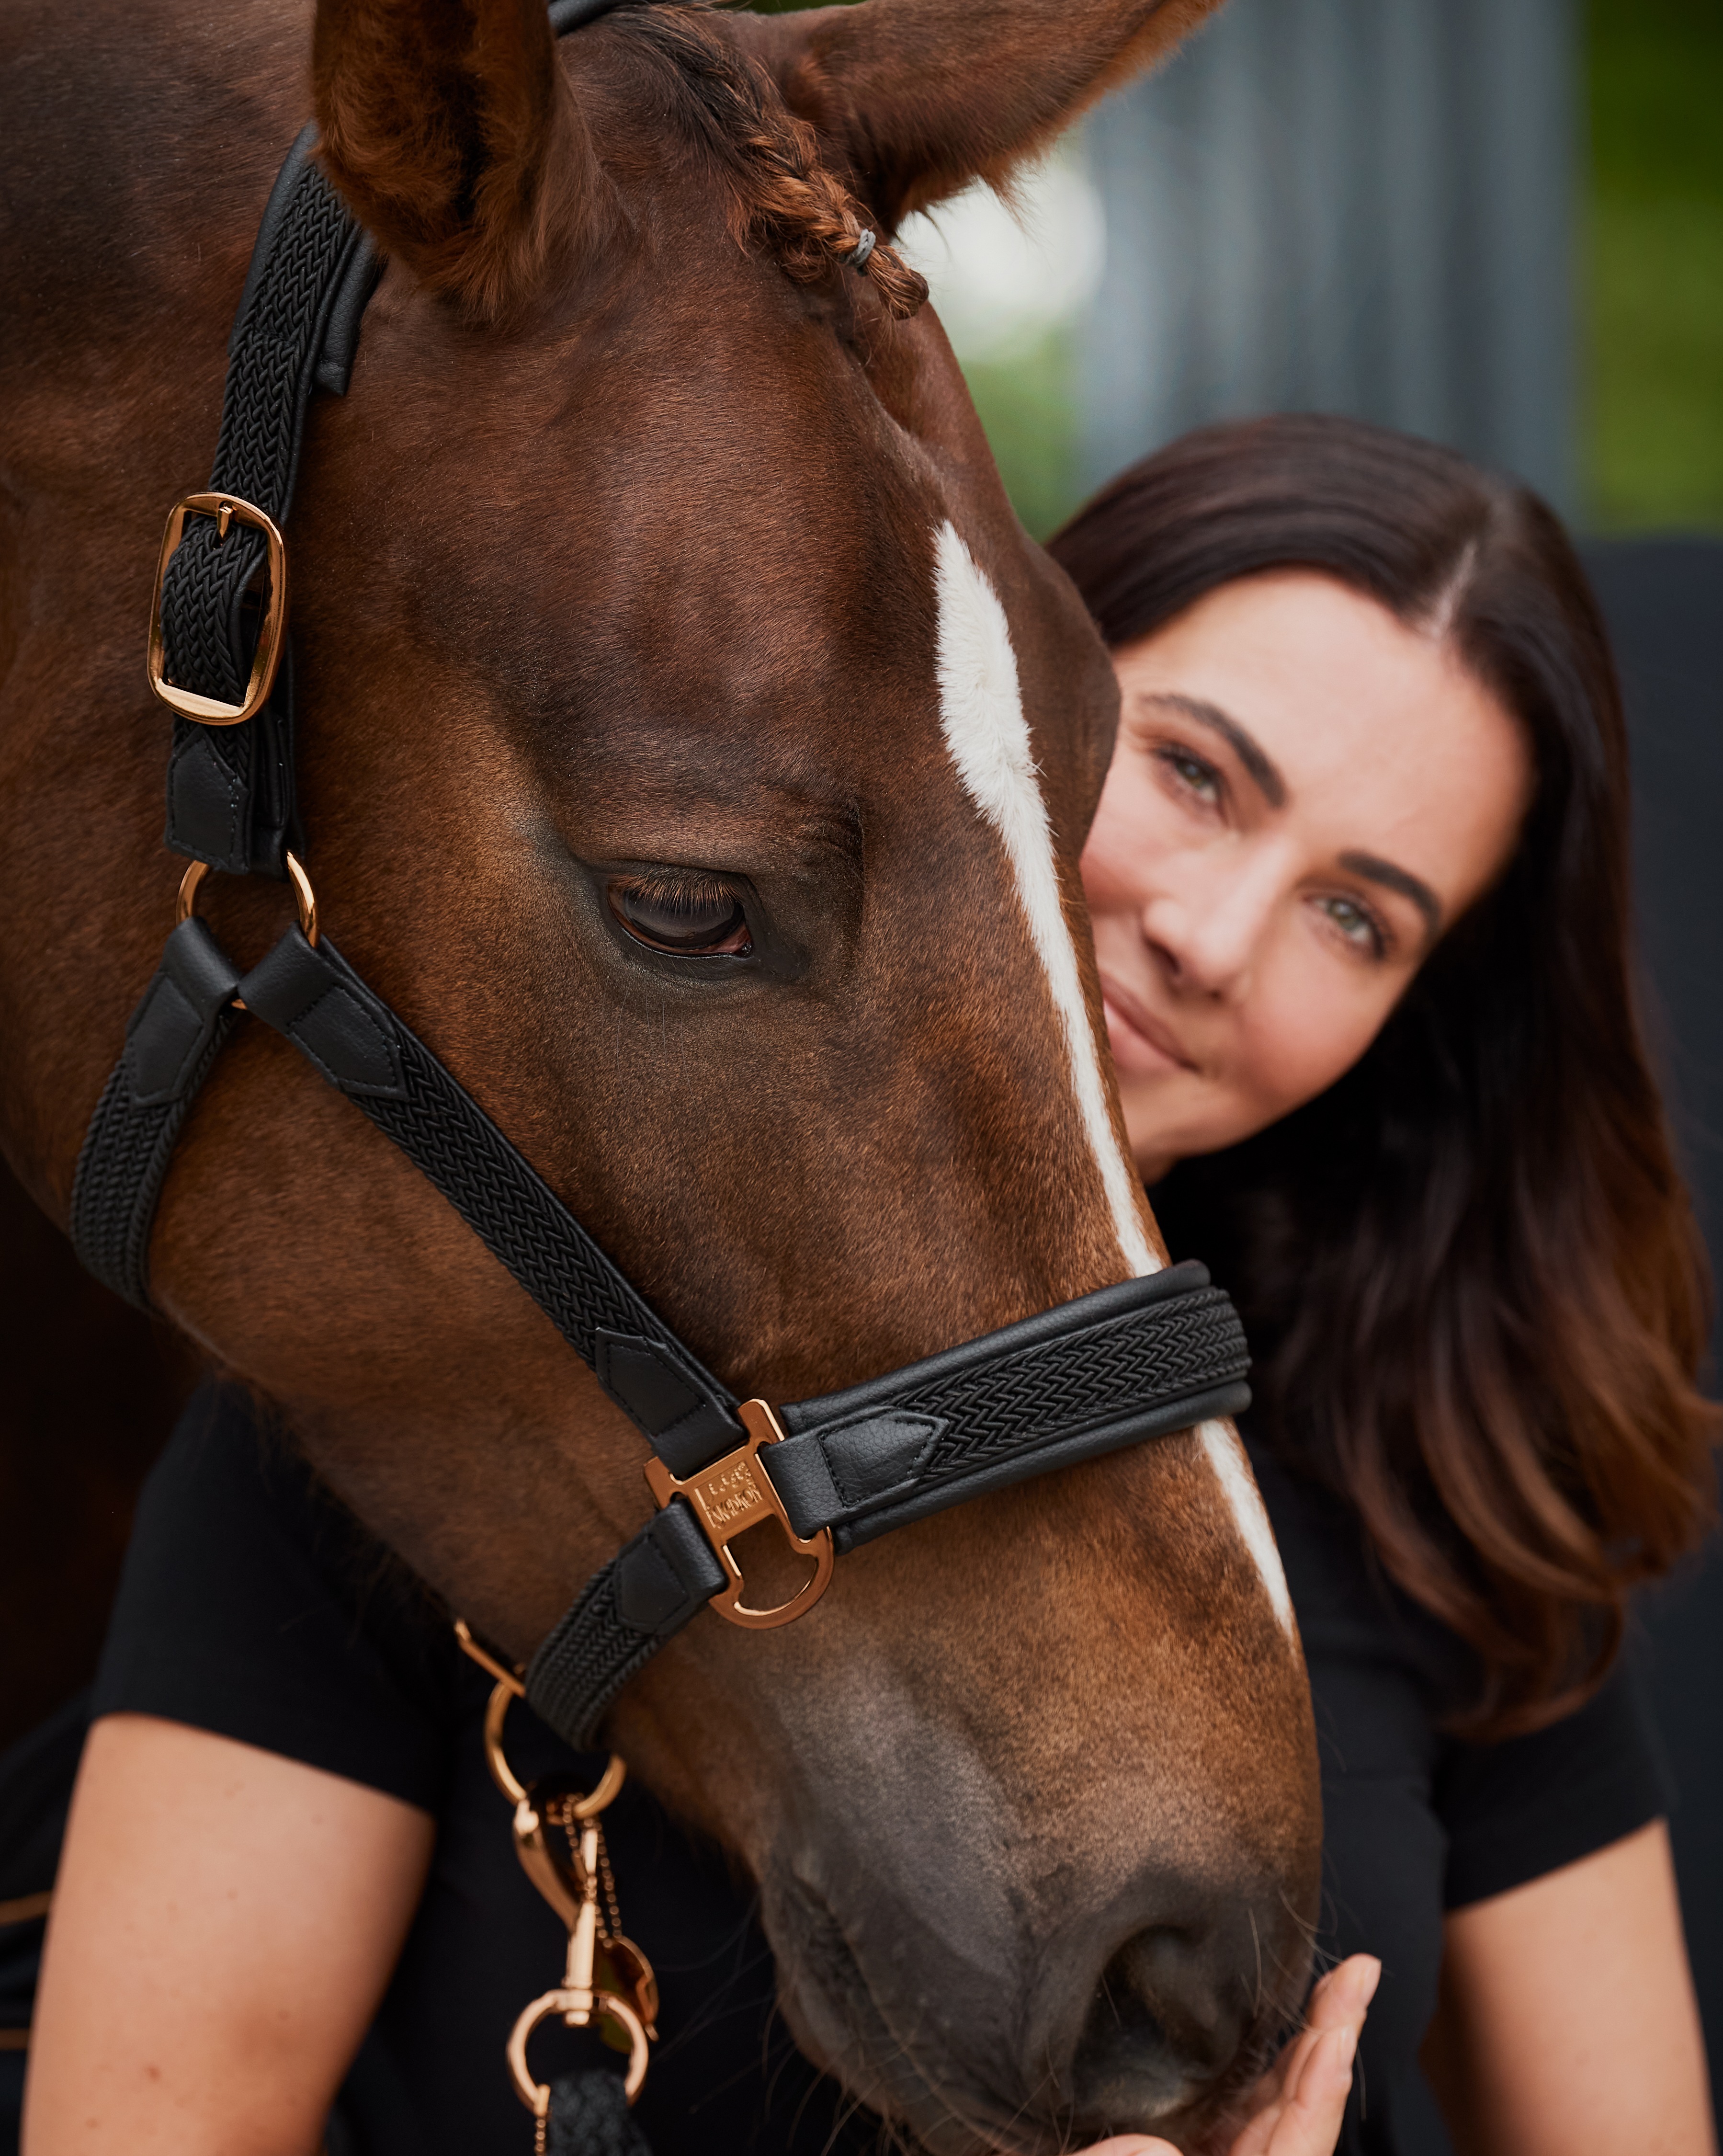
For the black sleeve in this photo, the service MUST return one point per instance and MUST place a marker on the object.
(253, 1604)
(1516, 1810)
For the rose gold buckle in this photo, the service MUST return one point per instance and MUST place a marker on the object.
(211, 711)
(732, 1495)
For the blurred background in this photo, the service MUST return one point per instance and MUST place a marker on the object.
(1499, 223)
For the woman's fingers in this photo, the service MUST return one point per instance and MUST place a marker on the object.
(1313, 2111)
(1301, 2105)
(1345, 1994)
(1129, 2144)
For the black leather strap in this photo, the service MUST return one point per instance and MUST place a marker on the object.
(1127, 1362)
(353, 1038)
(625, 1612)
(231, 798)
(173, 1037)
(1138, 1360)
(230, 789)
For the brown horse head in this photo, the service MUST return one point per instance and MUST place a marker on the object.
(697, 754)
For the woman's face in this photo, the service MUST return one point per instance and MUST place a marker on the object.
(1305, 794)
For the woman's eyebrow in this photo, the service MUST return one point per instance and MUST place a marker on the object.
(1249, 751)
(1408, 885)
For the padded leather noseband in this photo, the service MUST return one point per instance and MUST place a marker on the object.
(1108, 1370)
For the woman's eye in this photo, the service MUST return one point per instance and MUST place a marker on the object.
(694, 917)
(1356, 922)
(1194, 773)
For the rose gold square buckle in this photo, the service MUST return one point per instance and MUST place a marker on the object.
(732, 1495)
(210, 710)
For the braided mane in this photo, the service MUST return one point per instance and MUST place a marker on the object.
(783, 199)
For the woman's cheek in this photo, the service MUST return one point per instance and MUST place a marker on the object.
(1126, 840)
(1301, 1045)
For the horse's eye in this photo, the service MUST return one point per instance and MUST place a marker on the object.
(692, 916)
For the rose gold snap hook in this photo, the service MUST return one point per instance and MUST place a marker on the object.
(579, 2010)
(510, 1687)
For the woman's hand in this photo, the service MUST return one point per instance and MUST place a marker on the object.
(1296, 2109)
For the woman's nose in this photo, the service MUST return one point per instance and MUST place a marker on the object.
(1206, 930)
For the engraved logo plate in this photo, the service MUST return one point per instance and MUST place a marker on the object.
(729, 1495)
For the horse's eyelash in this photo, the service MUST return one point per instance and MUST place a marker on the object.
(665, 888)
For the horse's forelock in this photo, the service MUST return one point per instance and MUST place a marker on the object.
(783, 198)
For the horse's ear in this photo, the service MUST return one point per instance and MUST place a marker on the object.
(920, 97)
(449, 130)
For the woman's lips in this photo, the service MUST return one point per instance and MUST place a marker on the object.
(1141, 1042)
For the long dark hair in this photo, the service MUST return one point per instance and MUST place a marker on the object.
(1474, 1288)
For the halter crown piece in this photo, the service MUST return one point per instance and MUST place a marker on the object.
(1111, 1369)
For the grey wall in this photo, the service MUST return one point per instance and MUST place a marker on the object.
(1358, 206)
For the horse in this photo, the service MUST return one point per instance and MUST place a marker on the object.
(697, 753)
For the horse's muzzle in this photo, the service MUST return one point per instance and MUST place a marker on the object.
(1128, 2027)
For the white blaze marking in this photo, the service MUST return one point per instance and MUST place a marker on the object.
(1231, 1470)
(981, 709)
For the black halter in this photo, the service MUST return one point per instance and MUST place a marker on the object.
(1111, 1369)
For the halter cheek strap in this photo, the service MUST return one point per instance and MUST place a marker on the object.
(1111, 1369)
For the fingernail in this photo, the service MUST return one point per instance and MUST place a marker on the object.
(1369, 1980)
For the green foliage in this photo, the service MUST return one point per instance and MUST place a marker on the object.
(1028, 403)
(1653, 263)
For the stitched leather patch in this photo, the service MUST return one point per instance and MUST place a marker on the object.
(163, 1042)
(299, 992)
(347, 1044)
(171, 1027)
(873, 1455)
(648, 1592)
(686, 1426)
(646, 1383)
(205, 799)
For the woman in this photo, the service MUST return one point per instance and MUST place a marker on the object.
(1359, 887)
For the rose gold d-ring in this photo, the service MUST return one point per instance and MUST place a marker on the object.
(304, 897)
(589, 2006)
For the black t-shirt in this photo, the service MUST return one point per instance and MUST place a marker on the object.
(252, 1605)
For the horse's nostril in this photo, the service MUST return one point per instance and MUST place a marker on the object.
(1168, 2015)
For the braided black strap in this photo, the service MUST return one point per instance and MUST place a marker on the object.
(1111, 1369)
(231, 799)
(181, 1023)
(625, 1613)
(317, 1000)
(1128, 1363)
(589, 2116)
(230, 795)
